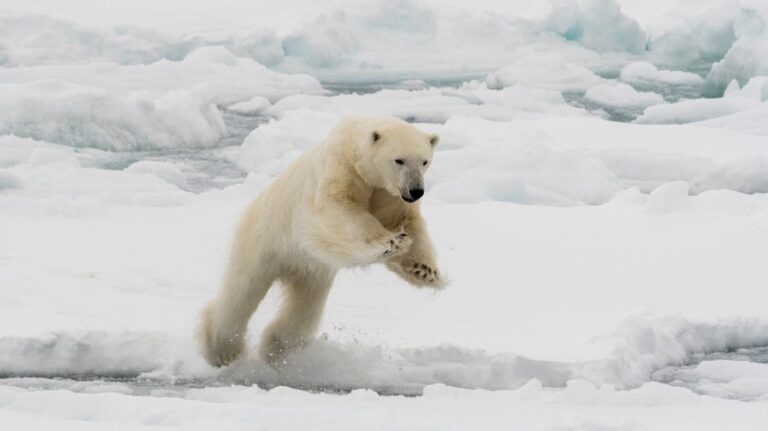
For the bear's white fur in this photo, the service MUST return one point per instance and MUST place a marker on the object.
(342, 204)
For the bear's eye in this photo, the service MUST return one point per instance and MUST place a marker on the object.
(399, 161)
(424, 164)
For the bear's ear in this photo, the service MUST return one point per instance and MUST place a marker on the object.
(375, 136)
(433, 139)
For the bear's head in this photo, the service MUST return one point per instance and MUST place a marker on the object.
(395, 155)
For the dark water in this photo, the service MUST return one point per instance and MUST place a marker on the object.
(677, 375)
(137, 385)
(203, 168)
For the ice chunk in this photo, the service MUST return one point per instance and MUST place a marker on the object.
(622, 95)
(597, 24)
(271, 147)
(732, 88)
(160, 105)
(252, 106)
(421, 105)
(8, 180)
(544, 70)
(163, 170)
(516, 97)
(333, 38)
(690, 37)
(735, 99)
(434, 105)
(746, 58)
(688, 111)
(756, 89)
(81, 116)
(643, 71)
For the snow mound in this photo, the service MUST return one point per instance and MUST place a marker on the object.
(551, 69)
(160, 105)
(60, 178)
(668, 197)
(651, 169)
(751, 120)
(528, 169)
(689, 111)
(65, 41)
(622, 95)
(87, 354)
(80, 116)
(516, 97)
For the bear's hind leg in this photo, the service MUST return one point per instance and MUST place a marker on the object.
(299, 316)
(225, 319)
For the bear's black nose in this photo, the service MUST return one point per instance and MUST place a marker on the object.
(416, 193)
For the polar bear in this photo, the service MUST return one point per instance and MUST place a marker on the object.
(350, 201)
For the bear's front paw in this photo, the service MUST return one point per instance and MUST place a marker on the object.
(423, 272)
(396, 244)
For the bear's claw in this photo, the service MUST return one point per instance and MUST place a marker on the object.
(397, 244)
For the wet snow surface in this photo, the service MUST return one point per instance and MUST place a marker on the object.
(598, 201)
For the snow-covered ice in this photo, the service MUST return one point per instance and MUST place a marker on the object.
(622, 95)
(598, 199)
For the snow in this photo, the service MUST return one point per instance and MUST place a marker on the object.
(460, 409)
(668, 197)
(598, 200)
(751, 121)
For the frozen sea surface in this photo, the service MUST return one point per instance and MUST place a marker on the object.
(598, 202)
